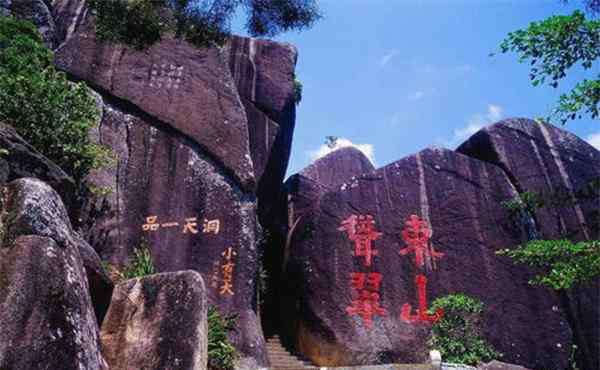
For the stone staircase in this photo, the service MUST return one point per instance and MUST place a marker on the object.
(282, 359)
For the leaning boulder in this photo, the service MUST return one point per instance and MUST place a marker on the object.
(368, 258)
(157, 322)
(564, 171)
(188, 89)
(46, 312)
(33, 208)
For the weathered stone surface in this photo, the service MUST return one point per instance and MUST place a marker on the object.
(68, 16)
(157, 322)
(497, 365)
(37, 12)
(338, 166)
(36, 209)
(161, 173)
(263, 72)
(22, 160)
(46, 313)
(460, 198)
(545, 159)
(558, 165)
(188, 88)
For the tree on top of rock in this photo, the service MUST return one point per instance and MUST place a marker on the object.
(555, 45)
(141, 23)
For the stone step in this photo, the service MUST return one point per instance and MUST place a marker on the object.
(282, 359)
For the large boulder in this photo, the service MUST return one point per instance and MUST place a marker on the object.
(186, 88)
(565, 171)
(338, 166)
(166, 194)
(157, 322)
(36, 209)
(433, 222)
(22, 160)
(46, 312)
(263, 72)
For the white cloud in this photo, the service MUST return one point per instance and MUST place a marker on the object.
(387, 57)
(367, 149)
(417, 95)
(475, 123)
(594, 139)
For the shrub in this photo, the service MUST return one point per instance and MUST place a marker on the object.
(140, 265)
(51, 113)
(141, 23)
(457, 335)
(564, 263)
(297, 91)
(221, 353)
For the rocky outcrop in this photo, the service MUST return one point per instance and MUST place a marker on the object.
(189, 89)
(46, 312)
(164, 193)
(209, 127)
(157, 322)
(338, 166)
(433, 222)
(36, 209)
(22, 160)
(565, 172)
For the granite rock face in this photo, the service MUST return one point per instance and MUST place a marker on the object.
(164, 193)
(157, 322)
(46, 312)
(203, 137)
(36, 209)
(189, 89)
(565, 172)
(457, 201)
(334, 168)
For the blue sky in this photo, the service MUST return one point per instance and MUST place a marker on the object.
(397, 76)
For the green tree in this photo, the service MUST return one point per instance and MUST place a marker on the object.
(564, 264)
(51, 113)
(221, 353)
(457, 335)
(555, 45)
(141, 23)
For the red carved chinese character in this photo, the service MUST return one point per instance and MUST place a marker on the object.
(421, 315)
(372, 280)
(366, 305)
(416, 235)
(361, 230)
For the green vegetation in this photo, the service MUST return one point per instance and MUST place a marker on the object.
(564, 264)
(221, 353)
(51, 113)
(457, 335)
(552, 47)
(297, 91)
(527, 201)
(331, 141)
(141, 23)
(140, 265)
